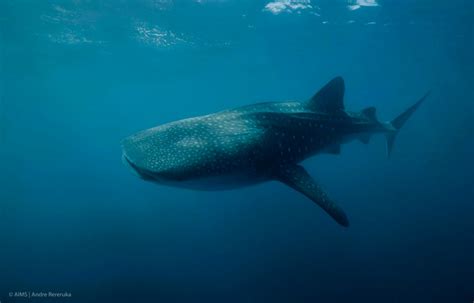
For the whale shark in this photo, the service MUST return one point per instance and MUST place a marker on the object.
(257, 143)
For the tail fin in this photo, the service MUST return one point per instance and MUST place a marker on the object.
(399, 121)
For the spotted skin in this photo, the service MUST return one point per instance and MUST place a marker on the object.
(246, 142)
(252, 144)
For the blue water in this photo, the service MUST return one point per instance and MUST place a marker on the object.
(78, 76)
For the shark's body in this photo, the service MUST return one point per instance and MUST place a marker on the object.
(256, 143)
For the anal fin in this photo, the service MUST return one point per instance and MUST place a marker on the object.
(296, 177)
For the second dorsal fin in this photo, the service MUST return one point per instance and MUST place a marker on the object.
(330, 98)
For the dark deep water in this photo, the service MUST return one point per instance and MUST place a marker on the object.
(78, 76)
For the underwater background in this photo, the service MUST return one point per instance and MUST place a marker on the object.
(76, 77)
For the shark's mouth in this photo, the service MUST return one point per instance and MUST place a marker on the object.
(135, 169)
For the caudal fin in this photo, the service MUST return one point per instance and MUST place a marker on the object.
(399, 121)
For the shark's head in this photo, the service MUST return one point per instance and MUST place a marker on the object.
(138, 154)
(139, 172)
(164, 154)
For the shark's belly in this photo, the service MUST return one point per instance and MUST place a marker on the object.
(225, 181)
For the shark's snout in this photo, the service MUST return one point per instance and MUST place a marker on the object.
(141, 173)
(134, 149)
(128, 164)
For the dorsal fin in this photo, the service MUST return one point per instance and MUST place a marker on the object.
(370, 112)
(330, 98)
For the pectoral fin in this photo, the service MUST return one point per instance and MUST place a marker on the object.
(296, 177)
